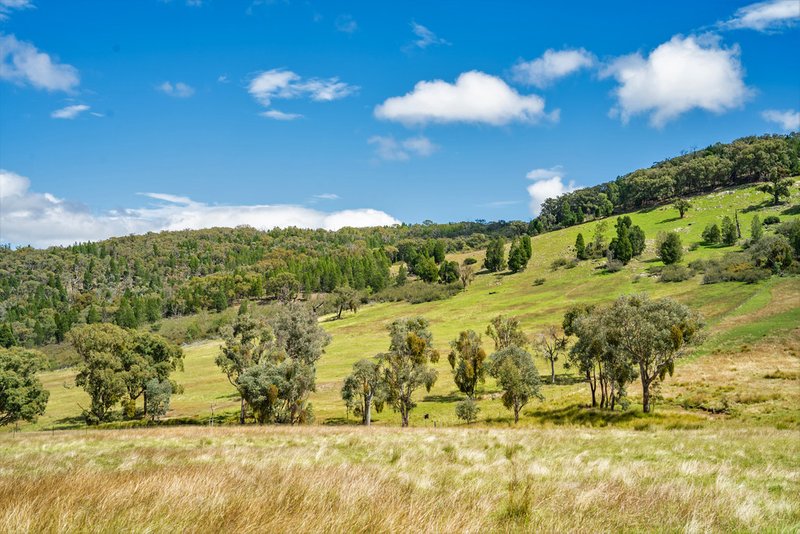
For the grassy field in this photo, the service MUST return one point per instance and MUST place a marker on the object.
(753, 332)
(316, 479)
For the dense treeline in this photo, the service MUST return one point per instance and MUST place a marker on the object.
(133, 280)
(750, 159)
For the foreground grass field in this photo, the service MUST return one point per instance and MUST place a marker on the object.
(279, 479)
(747, 370)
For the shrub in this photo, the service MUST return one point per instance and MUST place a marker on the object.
(737, 267)
(791, 231)
(539, 281)
(613, 266)
(558, 262)
(467, 410)
(676, 273)
(712, 235)
(771, 219)
(470, 261)
(772, 252)
(671, 249)
(417, 292)
(571, 264)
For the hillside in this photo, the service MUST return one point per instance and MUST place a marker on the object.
(746, 371)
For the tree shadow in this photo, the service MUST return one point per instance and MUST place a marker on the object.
(341, 421)
(451, 397)
(68, 423)
(567, 380)
(792, 210)
(671, 219)
(756, 207)
(580, 415)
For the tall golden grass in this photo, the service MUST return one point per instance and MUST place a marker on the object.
(277, 479)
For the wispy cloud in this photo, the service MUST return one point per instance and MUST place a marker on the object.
(7, 6)
(346, 24)
(682, 74)
(23, 64)
(177, 89)
(426, 37)
(69, 112)
(277, 84)
(551, 66)
(41, 219)
(475, 97)
(391, 149)
(276, 115)
(771, 16)
(788, 119)
(327, 196)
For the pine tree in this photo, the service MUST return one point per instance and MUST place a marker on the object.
(580, 248)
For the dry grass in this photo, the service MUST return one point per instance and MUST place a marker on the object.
(262, 479)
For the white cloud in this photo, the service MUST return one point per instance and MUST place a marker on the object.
(346, 24)
(40, 219)
(548, 183)
(177, 89)
(327, 196)
(274, 114)
(7, 6)
(551, 66)
(69, 112)
(788, 119)
(22, 63)
(680, 75)
(275, 84)
(474, 97)
(223, 78)
(425, 37)
(389, 148)
(768, 16)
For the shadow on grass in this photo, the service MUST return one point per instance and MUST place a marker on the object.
(578, 415)
(671, 219)
(342, 421)
(792, 210)
(452, 397)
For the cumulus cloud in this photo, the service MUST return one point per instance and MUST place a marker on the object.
(7, 6)
(276, 84)
(551, 66)
(69, 112)
(346, 24)
(547, 183)
(474, 97)
(770, 16)
(41, 219)
(23, 64)
(177, 89)
(682, 74)
(391, 149)
(788, 119)
(426, 37)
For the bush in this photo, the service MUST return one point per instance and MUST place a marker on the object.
(417, 292)
(676, 273)
(539, 281)
(736, 267)
(671, 249)
(772, 252)
(470, 261)
(558, 262)
(613, 266)
(467, 411)
(571, 264)
(712, 235)
(771, 219)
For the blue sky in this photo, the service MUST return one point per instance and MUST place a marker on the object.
(334, 113)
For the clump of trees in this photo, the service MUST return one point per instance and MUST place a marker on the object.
(272, 363)
(634, 336)
(495, 260)
(630, 240)
(22, 396)
(117, 364)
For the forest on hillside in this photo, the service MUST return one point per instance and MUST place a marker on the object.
(140, 279)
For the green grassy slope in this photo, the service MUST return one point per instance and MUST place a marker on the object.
(758, 322)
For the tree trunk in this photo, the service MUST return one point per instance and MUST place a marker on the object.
(516, 413)
(404, 416)
(593, 387)
(241, 412)
(552, 372)
(367, 411)
(145, 402)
